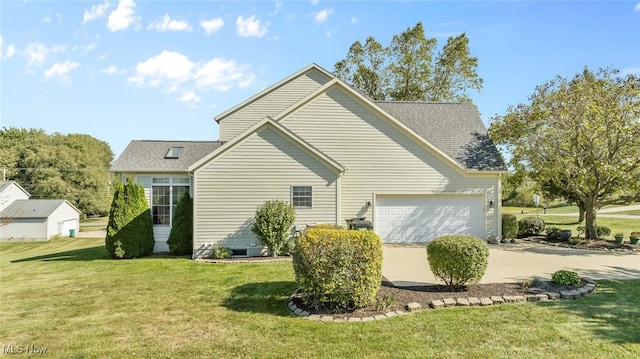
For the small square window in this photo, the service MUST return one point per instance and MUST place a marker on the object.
(173, 152)
(302, 196)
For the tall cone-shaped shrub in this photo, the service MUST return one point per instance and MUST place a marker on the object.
(181, 237)
(130, 228)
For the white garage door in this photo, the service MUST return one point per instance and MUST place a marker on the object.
(421, 219)
(67, 225)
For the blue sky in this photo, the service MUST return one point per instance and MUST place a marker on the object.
(129, 69)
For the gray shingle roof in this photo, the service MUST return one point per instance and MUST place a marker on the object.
(149, 156)
(32, 208)
(454, 128)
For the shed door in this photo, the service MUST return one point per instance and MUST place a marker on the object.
(67, 225)
(421, 219)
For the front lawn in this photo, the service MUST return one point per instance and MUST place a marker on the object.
(67, 296)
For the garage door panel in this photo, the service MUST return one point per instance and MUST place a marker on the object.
(421, 219)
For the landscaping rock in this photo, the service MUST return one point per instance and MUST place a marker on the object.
(520, 298)
(542, 297)
(497, 299)
(474, 301)
(463, 302)
(449, 302)
(569, 294)
(485, 301)
(509, 299)
(436, 304)
(314, 317)
(412, 307)
(553, 295)
(531, 298)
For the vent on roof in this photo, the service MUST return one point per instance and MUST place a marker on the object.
(174, 152)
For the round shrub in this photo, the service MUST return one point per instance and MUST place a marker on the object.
(221, 252)
(509, 226)
(566, 277)
(553, 233)
(273, 225)
(530, 226)
(338, 268)
(458, 259)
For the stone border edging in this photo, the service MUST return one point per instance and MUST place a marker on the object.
(582, 291)
(237, 260)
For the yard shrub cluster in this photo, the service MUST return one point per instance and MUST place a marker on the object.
(338, 268)
(530, 226)
(130, 227)
(221, 252)
(273, 225)
(601, 231)
(566, 277)
(181, 236)
(553, 233)
(458, 259)
(509, 225)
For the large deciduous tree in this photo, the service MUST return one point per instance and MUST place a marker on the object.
(579, 137)
(409, 69)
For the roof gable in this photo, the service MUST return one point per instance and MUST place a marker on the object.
(468, 118)
(157, 156)
(272, 88)
(282, 131)
(6, 184)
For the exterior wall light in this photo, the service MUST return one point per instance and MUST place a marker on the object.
(490, 204)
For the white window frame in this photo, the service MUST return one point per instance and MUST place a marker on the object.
(170, 182)
(304, 196)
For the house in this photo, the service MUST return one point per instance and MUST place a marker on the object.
(11, 191)
(417, 170)
(38, 220)
(162, 168)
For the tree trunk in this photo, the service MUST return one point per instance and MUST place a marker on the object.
(590, 225)
(581, 210)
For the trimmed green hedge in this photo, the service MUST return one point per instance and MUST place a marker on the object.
(509, 226)
(458, 259)
(338, 268)
(273, 225)
(181, 236)
(530, 226)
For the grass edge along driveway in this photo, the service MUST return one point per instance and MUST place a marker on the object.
(67, 296)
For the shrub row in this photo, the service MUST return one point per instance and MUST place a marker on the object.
(338, 268)
(530, 226)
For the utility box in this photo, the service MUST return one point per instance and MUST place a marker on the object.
(360, 224)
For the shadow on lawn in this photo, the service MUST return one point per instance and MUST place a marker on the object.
(268, 297)
(83, 254)
(612, 311)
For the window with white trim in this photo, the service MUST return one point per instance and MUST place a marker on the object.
(302, 196)
(165, 194)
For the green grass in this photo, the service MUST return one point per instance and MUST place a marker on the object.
(67, 296)
(94, 224)
(624, 225)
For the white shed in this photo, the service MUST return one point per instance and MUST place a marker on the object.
(38, 220)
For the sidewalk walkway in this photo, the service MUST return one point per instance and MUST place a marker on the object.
(406, 265)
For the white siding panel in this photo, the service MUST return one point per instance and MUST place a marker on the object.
(264, 167)
(271, 103)
(20, 229)
(378, 157)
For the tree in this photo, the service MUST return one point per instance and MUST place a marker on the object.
(130, 227)
(409, 68)
(181, 236)
(273, 224)
(74, 166)
(580, 137)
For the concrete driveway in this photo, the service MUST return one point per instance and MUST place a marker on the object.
(406, 265)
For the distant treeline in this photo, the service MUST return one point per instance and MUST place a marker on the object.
(74, 167)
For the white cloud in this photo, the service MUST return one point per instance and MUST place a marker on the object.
(354, 20)
(631, 71)
(175, 72)
(123, 16)
(11, 50)
(314, 2)
(190, 99)
(167, 68)
(46, 19)
(36, 53)
(211, 26)
(166, 24)
(323, 15)
(96, 11)
(637, 7)
(250, 27)
(219, 74)
(61, 70)
(277, 9)
(112, 70)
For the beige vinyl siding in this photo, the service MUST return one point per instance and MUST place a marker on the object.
(263, 167)
(379, 158)
(271, 103)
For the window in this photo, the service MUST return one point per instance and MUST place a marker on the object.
(301, 196)
(165, 194)
(173, 152)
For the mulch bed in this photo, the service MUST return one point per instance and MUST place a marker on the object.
(424, 295)
(599, 244)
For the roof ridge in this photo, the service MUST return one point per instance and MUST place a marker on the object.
(423, 102)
